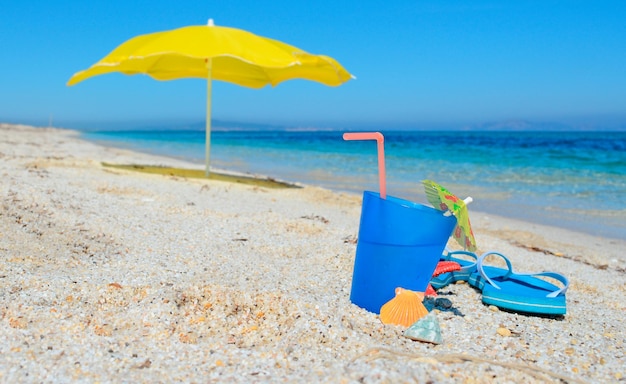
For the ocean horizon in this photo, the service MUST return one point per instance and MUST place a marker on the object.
(570, 179)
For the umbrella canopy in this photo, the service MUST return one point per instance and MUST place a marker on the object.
(445, 201)
(216, 53)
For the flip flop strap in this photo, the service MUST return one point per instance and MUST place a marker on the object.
(481, 270)
(467, 268)
(554, 275)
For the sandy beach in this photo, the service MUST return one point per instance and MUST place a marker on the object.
(110, 275)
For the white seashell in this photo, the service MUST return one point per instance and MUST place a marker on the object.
(425, 329)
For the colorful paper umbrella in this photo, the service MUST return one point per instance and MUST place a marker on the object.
(445, 201)
(216, 53)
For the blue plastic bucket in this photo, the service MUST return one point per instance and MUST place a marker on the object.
(399, 245)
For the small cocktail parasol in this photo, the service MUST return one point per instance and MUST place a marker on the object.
(445, 201)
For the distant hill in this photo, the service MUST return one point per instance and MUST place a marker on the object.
(223, 125)
(237, 125)
(216, 125)
(525, 125)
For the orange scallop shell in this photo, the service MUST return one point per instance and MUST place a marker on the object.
(404, 309)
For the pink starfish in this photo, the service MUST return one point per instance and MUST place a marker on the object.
(442, 267)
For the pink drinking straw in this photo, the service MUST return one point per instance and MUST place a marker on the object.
(380, 140)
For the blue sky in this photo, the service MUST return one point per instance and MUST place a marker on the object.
(418, 63)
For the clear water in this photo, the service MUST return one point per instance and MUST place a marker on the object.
(575, 180)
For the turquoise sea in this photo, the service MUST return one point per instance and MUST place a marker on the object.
(574, 180)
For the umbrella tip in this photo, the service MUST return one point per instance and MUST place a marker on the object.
(210, 23)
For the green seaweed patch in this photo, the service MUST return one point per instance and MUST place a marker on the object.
(267, 182)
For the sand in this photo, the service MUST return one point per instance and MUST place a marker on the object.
(110, 275)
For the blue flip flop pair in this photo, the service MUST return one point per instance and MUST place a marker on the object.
(519, 292)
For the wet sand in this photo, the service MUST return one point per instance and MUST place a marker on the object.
(115, 275)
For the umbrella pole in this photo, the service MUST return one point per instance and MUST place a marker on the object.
(207, 147)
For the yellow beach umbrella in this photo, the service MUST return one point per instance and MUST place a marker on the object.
(216, 53)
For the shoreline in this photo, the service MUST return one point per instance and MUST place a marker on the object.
(112, 275)
(527, 206)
